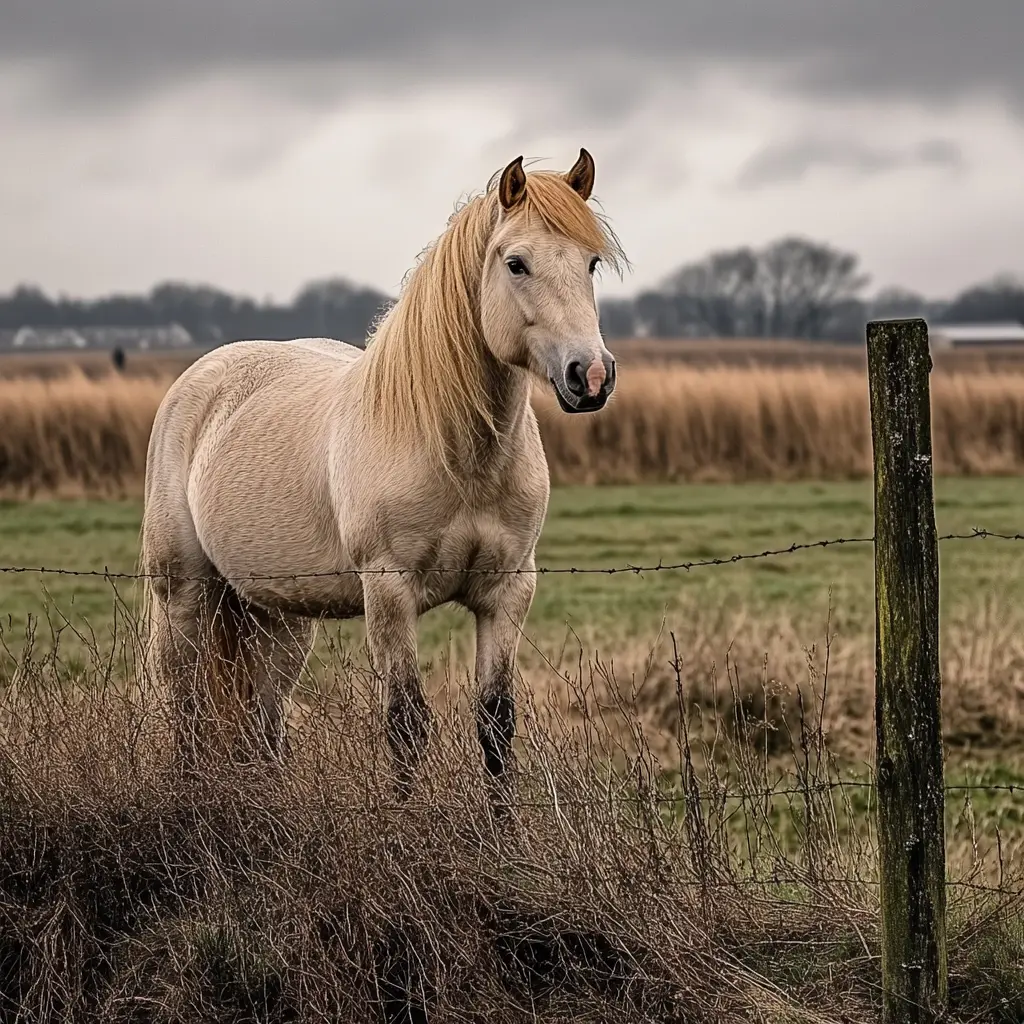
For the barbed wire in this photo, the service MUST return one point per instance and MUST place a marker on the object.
(636, 570)
(822, 786)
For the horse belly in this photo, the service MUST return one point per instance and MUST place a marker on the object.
(263, 574)
(333, 600)
(284, 554)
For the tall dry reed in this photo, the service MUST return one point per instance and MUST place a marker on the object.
(727, 424)
(73, 435)
(80, 435)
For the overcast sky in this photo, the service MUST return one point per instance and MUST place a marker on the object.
(257, 144)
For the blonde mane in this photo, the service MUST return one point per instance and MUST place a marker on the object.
(424, 376)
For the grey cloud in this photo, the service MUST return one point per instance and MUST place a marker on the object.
(927, 50)
(940, 153)
(789, 161)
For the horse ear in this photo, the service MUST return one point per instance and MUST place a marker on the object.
(581, 177)
(512, 187)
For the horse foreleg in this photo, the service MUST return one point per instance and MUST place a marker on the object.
(500, 614)
(390, 612)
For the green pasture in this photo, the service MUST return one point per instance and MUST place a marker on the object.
(596, 528)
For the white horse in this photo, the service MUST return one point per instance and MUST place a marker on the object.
(281, 477)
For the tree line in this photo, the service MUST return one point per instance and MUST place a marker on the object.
(333, 308)
(790, 288)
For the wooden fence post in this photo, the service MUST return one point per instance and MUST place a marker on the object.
(908, 714)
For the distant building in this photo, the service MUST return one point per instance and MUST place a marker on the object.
(47, 339)
(161, 337)
(964, 335)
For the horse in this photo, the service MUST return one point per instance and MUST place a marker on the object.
(292, 481)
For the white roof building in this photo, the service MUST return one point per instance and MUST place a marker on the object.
(1007, 332)
(45, 338)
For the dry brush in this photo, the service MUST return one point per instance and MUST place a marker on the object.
(672, 885)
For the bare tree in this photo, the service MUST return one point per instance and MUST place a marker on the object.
(803, 284)
(792, 288)
(999, 299)
(720, 295)
(657, 316)
(618, 318)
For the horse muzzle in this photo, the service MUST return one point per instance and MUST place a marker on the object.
(583, 387)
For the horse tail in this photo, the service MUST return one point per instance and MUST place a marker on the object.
(230, 651)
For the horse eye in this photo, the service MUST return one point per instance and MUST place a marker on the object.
(594, 262)
(516, 266)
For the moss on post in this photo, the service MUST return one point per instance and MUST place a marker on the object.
(908, 719)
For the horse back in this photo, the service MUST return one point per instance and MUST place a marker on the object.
(238, 454)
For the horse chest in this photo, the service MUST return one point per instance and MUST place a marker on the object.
(467, 554)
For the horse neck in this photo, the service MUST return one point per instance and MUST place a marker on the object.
(480, 435)
(508, 397)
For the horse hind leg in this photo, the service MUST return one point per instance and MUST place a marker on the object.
(179, 658)
(226, 665)
(184, 597)
(277, 649)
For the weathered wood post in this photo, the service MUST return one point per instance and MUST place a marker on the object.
(908, 716)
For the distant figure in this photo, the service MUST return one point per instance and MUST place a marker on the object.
(118, 357)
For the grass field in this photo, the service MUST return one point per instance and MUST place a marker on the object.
(614, 526)
(310, 896)
(775, 606)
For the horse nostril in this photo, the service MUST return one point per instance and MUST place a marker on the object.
(609, 382)
(576, 379)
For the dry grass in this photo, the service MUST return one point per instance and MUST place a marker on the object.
(737, 664)
(648, 873)
(732, 663)
(748, 353)
(94, 364)
(77, 435)
(727, 424)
